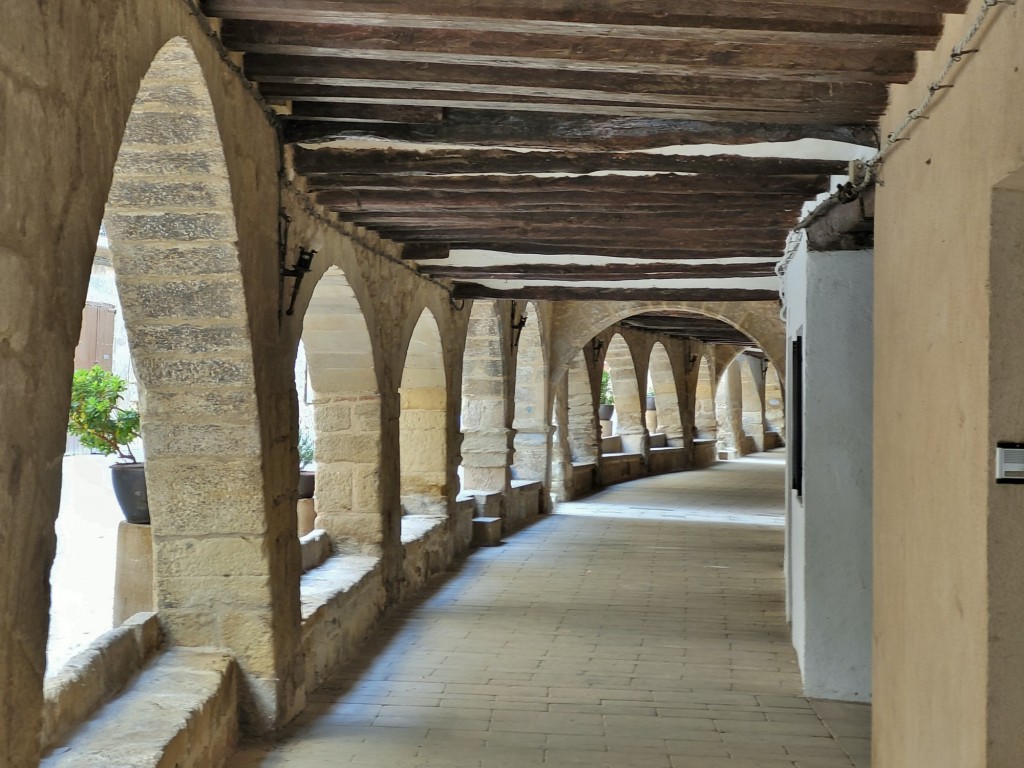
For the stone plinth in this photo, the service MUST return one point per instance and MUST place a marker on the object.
(133, 578)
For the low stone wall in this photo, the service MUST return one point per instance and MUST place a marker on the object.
(620, 467)
(428, 550)
(705, 453)
(462, 525)
(525, 504)
(584, 478)
(96, 675)
(316, 548)
(341, 602)
(667, 459)
(773, 440)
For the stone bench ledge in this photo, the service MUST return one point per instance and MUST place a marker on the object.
(181, 710)
(526, 485)
(416, 527)
(334, 578)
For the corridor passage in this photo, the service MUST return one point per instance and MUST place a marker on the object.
(643, 627)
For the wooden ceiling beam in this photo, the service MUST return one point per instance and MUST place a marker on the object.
(581, 293)
(524, 237)
(375, 113)
(429, 212)
(666, 184)
(483, 98)
(601, 221)
(576, 273)
(870, 16)
(625, 251)
(737, 93)
(422, 200)
(711, 51)
(565, 130)
(329, 161)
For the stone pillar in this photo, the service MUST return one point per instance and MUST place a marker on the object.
(347, 477)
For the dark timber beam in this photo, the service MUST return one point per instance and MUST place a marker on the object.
(666, 184)
(482, 98)
(840, 57)
(377, 113)
(740, 94)
(622, 219)
(577, 293)
(562, 131)
(329, 161)
(620, 251)
(871, 16)
(576, 273)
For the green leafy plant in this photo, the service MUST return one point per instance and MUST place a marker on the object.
(96, 419)
(307, 448)
(607, 395)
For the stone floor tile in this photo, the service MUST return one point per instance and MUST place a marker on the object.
(643, 626)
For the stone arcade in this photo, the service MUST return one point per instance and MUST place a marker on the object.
(490, 238)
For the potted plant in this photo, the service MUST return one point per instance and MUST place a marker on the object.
(102, 425)
(307, 455)
(651, 404)
(607, 398)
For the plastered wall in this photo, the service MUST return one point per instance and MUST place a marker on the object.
(829, 534)
(948, 369)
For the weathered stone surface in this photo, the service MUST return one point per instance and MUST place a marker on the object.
(193, 340)
(127, 228)
(193, 299)
(173, 258)
(205, 500)
(180, 711)
(168, 128)
(214, 440)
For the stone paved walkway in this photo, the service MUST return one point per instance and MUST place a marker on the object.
(641, 628)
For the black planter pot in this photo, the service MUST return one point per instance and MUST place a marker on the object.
(129, 482)
(650, 403)
(605, 412)
(307, 483)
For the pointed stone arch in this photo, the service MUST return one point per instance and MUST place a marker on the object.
(582, 432)
(580, 321)
(774, 403)
(346, 411)
(705, 422)
(532, 419)
(423, 422)
(485, 447)
(219, 578)
(666, 395)
(629, 405)
(752, 386)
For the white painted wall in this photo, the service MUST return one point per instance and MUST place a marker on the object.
(829, 301)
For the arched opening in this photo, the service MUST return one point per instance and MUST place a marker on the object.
(729, 411)
(485, 447)
(423, 422)
(774, 406)
(629, 409)
(532, 419)
(582, 431)
(346, 414)
(171, 227)
(752, 386)
(662, 383)
(561, 453)
(705, 421)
